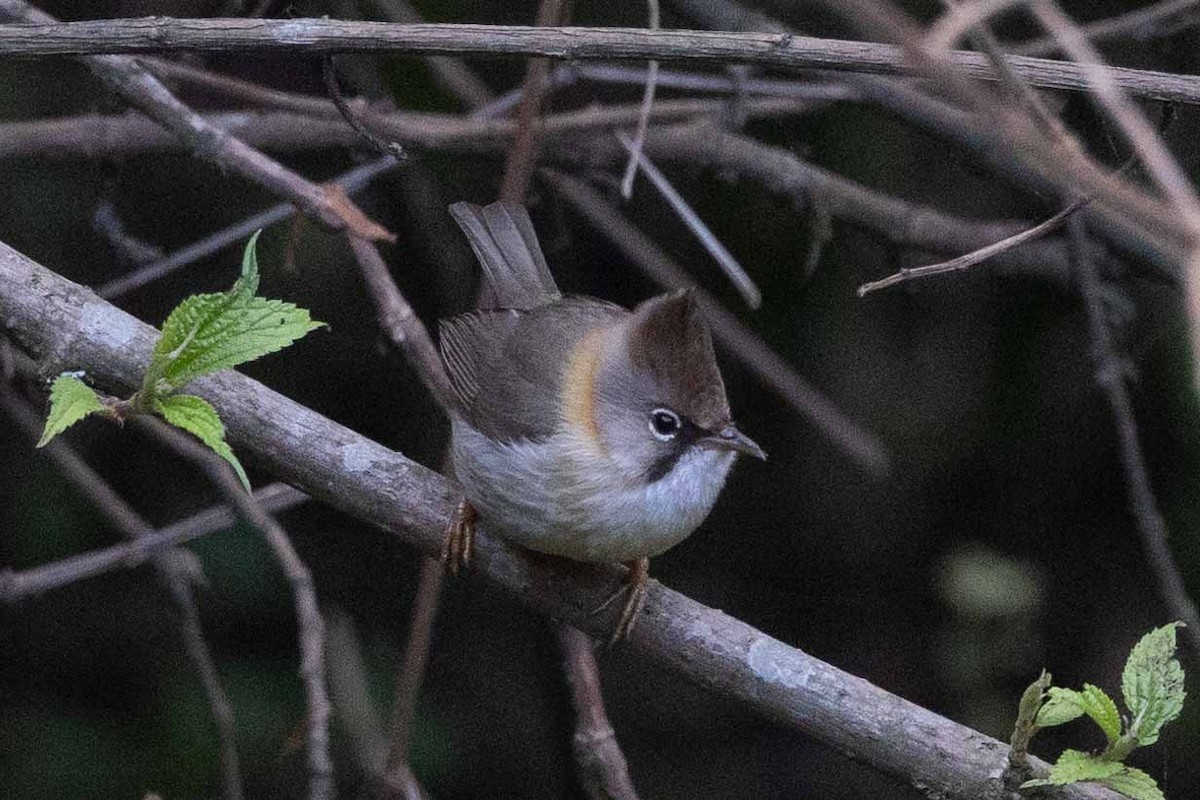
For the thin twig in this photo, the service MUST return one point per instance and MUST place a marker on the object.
(1127, 210)
(19, 586)
(977, 135)
(402, 326)
(522, 154)
(309, 623)
(412, 667)
(53, 318)
(350, 690)
(975, 257)
(605, 775)
(141, 89)
(384, 148)
(725, 259)
(719, 84)
(639, 135)
(1110, 376)
(172, 570)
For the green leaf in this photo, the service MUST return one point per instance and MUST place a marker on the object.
(1134, 783)
(1152, 683)
(70, 401)
(197, 417)
(1103, 711)
(1027, 711)
(1073, 766)
(210, 332)
(1064, 705)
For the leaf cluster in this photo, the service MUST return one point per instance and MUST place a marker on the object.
(1152, 688)
(205, 333)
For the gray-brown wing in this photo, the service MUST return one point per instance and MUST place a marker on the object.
(468, 343)
(514, 269)
(508, 365)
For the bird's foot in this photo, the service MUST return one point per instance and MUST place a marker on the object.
(633, 588)
(459, 543)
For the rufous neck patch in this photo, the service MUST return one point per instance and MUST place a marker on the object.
(579, 387)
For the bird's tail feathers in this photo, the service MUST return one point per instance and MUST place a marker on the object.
(514, 269)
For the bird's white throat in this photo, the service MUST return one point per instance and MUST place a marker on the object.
(559, 497)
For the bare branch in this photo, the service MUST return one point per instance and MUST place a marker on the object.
(316, 36)
(605, 773)
(1110, 377)
(725, 260)
(96, 136)
(329, 74)
(310, 624)
(141, 89)
(975, 257)
(450, 73)
(397, 779)
(351, 182)
(1061, 170)
(130, 249)
(639, 134)
(58, 320)
(402, 326)
(18, 586)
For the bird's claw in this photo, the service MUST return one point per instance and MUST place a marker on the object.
(459, 544)
(633, 587)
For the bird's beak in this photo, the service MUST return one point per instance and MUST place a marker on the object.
(730, 438)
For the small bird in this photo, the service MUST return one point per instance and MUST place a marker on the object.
(584, 430)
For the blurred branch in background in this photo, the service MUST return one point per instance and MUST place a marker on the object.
(141, 89)
(20, 585)
(310, 625)
(1155, 21)
(1111, 376)
(177, 569)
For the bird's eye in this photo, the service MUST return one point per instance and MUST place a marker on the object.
(664, 424)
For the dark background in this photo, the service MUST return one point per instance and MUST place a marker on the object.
(998, 544)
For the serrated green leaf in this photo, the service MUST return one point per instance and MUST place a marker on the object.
(1073, 766)
(247, 283)
(1132, 782)
(1103, 711)
(1152, 683)
(70, 401)
(1064, 705)
(197, 417)
(210, 332)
